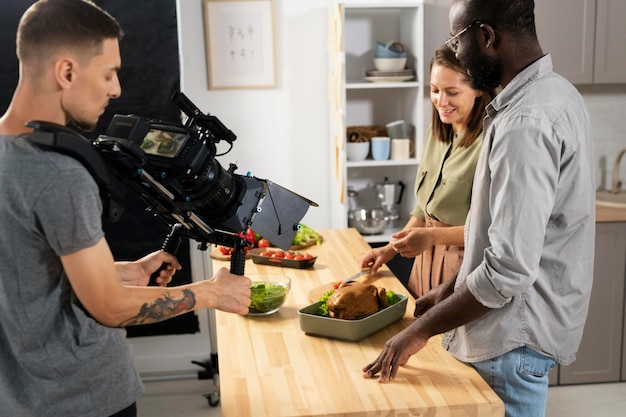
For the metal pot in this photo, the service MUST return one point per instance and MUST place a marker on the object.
(368, 222)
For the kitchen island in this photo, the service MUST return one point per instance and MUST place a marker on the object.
(269, 368)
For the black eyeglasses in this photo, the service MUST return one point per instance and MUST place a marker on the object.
(453, 42)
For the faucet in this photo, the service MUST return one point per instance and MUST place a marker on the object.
(617, 183)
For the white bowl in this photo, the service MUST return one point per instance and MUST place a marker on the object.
(357, 151)
(389, 64)
(268, 293)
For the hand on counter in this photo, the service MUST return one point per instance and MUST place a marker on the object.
(395, 354)
(442, 309)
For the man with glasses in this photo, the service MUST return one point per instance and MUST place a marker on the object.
(519, 302)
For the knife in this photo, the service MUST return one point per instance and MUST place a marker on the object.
(355, 276)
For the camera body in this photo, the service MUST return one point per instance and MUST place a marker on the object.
(172, 167)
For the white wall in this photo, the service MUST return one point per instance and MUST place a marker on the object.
(282, 132)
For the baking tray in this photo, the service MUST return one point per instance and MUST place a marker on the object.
(351, 330)
(285, 263)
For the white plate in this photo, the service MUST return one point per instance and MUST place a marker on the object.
(398, 78)
(376, 73)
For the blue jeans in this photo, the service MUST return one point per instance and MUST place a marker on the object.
(520, 378)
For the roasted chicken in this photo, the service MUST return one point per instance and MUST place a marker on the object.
(355, 301)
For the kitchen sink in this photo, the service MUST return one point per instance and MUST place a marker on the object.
(609, 199)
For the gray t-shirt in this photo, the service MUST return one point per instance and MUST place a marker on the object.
(55, 360)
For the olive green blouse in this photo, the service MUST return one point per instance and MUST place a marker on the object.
(444, 179)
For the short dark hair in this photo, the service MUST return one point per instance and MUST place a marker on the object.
(513, 16)
(441, 131)
(49, 25)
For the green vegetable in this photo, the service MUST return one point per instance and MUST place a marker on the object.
(304, 235)
(322, 309)
(392, 298)
(147, 143)
(266, 296)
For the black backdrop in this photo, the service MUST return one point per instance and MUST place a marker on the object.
(150, 73)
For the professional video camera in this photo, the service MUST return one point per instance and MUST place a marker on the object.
(172, 167)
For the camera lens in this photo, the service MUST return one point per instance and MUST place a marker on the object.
(214, 191)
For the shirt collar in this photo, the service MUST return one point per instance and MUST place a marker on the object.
(518, 84)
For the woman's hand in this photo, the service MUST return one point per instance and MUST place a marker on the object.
(412, 241)
(375, 258)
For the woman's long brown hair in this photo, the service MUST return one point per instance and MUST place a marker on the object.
(442, 131)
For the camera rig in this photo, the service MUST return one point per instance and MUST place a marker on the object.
(172, 168)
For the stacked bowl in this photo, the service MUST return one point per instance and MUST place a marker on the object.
(389, 56)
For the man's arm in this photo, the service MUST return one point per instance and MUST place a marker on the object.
(92, 275)
(456, 310)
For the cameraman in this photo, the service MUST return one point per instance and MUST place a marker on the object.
(63, 299)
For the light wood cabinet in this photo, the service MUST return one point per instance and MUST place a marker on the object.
(586, 43)
(354, 101)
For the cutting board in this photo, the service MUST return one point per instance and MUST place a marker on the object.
(316, 293)
(219, 256)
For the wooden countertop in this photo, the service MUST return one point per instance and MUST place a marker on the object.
(269, 367)
(610, 214)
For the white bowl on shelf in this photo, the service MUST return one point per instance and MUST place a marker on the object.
(389, 64)
(357, 151)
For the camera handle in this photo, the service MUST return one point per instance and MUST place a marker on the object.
(174, 238)
(170, 245)
(238, 258)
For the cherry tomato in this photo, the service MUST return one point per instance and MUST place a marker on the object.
(290, 255)
(263, 243)
(268, 254)
(226, 251)
(336, 284)
(299, 257)
(249, 236)
(278, 254)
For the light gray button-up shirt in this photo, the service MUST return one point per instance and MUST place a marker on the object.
(530, 232)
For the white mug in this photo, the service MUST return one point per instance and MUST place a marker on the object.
(380, 146)
(400, 148)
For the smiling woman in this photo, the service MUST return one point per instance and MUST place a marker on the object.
(433, 236)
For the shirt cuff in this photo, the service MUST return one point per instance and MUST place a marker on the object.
(482, 288)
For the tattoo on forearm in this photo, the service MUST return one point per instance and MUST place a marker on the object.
(162, 309)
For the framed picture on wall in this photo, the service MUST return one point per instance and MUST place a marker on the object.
(240, 43)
